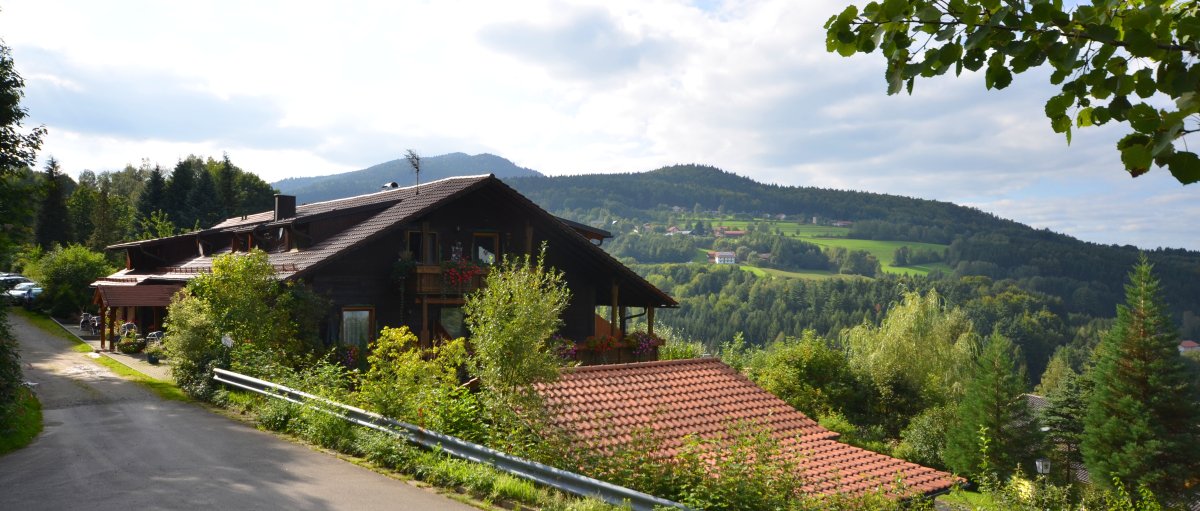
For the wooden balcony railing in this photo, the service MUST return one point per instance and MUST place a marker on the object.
(431, 280)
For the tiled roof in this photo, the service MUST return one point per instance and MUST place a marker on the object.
(1189, 344)
(603, 406)
(136, 296)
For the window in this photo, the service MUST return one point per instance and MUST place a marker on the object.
(487, 247)
(424, 248)
(357, 325)
(451, 320)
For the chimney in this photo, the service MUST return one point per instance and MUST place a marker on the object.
(285, 206)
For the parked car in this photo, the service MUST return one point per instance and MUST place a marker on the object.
(24, 293)
(10, 280)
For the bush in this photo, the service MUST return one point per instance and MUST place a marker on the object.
(11, 378)
(278, 415)
(192, 341)
(65, 274)
(924, 439)
(421, 386)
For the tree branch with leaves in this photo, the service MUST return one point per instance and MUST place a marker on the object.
(1127, 61)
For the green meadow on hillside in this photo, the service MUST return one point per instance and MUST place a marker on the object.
(829, 236)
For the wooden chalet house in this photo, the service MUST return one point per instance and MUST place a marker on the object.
(347, 250)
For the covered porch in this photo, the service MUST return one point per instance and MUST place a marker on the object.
(143, 305)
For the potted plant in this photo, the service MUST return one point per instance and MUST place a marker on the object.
(153, 353)
(130, 344)
(403, 267)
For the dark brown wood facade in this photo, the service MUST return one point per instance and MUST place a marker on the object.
(345, 250)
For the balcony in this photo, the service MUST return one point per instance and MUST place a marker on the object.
(432, 279)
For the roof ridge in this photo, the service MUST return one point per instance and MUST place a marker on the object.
(633, 365)
(393, 190)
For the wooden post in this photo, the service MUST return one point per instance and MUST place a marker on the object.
(424, 337)
(103, 324)
(614, 312)
(650, 320)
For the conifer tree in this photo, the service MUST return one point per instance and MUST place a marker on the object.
(179, 192)
(993, 400)
(204, 200)
(226, 191)
(1066, 407)
(153, 196)
(53, 224)
(1141, 425)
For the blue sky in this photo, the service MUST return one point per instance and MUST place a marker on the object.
(299, 88)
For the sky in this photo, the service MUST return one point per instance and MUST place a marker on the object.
(294, 88)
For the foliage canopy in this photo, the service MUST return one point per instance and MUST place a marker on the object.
(1128, 61)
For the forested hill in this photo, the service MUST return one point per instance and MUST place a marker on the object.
(710, 188)
(1087, 277)
(358, 182)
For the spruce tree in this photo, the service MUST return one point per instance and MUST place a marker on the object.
(153, 196)
(204, 201)
(993, 406)
(179, 192)
(1063, 417)
(1141, 425)
(226, 190)
(53, 223)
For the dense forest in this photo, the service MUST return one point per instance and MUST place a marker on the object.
(1085, 278)
(109, 207)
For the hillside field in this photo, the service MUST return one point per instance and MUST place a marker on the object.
(829, 236)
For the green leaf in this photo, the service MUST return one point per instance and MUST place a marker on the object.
(1145, 83)
(1118, 106)
(1136, 159)
(1057, 105)
(1101, 33)
(1083, 118)
(1185, 166)
(1140, 44)
(1134, 153)
(1062, 124)
(1143, 118)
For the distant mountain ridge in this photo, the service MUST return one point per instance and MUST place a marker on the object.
(358, 182)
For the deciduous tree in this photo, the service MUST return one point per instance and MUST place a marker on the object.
(1124, 61)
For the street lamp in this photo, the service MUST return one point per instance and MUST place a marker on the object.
(1043, 466)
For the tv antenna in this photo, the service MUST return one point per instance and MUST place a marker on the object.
(415, 161)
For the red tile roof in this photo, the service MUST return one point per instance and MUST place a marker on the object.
(605, 405)
(1189, 344)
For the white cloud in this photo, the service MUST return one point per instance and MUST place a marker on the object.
(306, 88)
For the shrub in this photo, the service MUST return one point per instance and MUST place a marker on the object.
(192, 341)
(65, 274)
(11, 378)
(278, 415)
(512, 320)
(421, 386)
(327, 430)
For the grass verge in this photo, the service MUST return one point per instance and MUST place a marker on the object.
(964, 499)
(24, 424)
(164, 389)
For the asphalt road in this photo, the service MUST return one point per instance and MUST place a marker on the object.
(109, 444)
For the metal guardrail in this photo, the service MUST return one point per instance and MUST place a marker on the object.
(537, 472)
